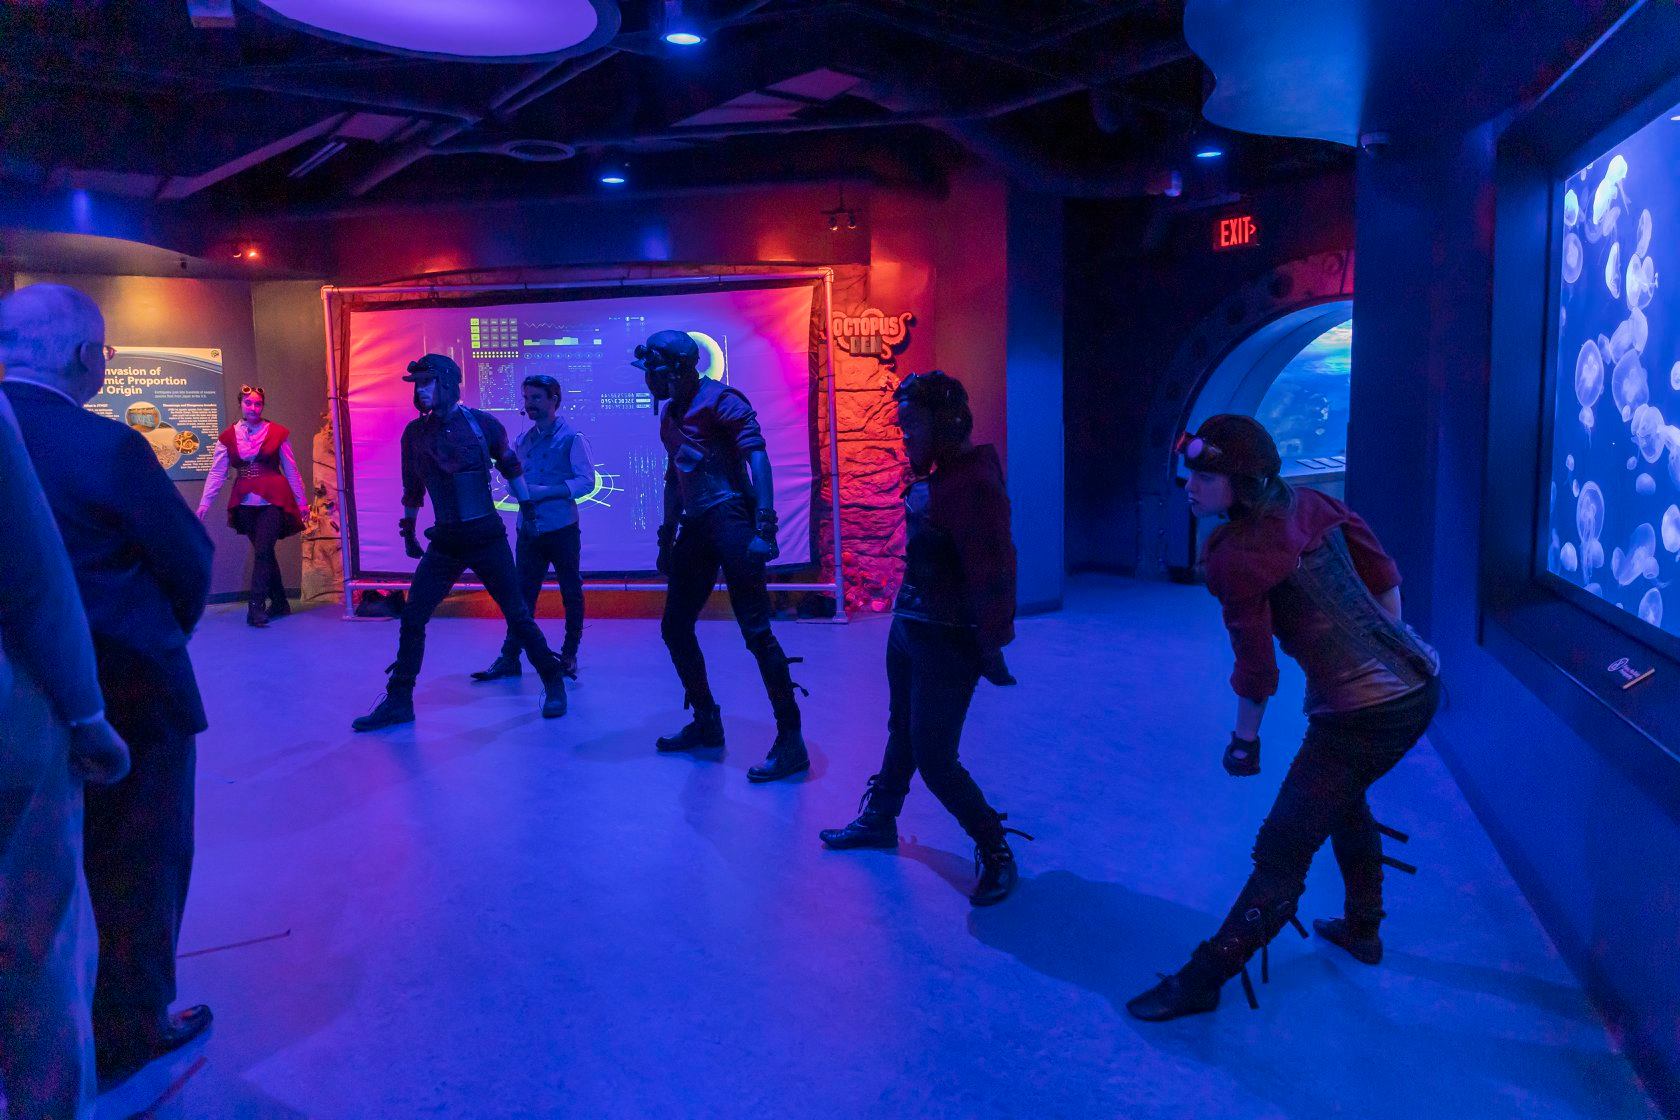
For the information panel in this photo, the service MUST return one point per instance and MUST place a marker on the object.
(171, 395)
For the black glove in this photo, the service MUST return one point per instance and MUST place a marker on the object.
(1242, 757)
(411, 544)
(994, 670)
(97, 753)
(764, 547)
(667, 541)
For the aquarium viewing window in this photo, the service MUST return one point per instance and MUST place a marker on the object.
(1610, 501)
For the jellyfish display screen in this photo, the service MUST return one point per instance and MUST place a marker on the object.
(1611, 503)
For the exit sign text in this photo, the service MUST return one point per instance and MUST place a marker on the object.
(1236, 232)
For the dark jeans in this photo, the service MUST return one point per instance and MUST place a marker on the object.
(263, 525)
(139, 840)
(932, 672)
(720, 538)
(1323, 797)
(481, 546)
(533, 556)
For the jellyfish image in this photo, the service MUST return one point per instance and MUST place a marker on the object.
(1633, 462)
(1621, 341)
(1567, 557)
(1595, 589)
(1571, 208)
(1641, 282)
(1674, 376)
(1607, 227)
(1613, 270)
(1642, 243)
(1628, 385)
(1650, 607)
(1573, 258)
(1589, 375)
(1605, 196)
(1589, 514)
(1649, 432)
(1575, 488)
(1645, 484)
(1640, 559)
(1639, 329)
(1569, 461)
(1670, 529)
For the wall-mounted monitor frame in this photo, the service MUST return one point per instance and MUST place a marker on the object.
(1536, 624)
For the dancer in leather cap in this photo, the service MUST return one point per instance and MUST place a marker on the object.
(719, 513)
(954, 613)
(558, 472)
(447, 453)
(1301, 566)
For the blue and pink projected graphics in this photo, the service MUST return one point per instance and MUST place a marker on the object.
(1614, 515)
(756, 340)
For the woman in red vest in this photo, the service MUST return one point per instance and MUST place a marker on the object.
(266, 501)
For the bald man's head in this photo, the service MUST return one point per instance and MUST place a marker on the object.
(56, 336)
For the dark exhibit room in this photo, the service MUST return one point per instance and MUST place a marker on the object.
(815, 559)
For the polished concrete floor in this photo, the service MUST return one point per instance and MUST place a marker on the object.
(488, 915)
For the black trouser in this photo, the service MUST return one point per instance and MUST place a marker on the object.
(1323, 797)
(139, 843)
(263, 525)
(560, 549)
(932, 672)
(720, 538)
(480, 545)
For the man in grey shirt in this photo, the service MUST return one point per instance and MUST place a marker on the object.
(559, 472)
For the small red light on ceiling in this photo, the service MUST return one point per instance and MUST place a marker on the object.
(1239, 231)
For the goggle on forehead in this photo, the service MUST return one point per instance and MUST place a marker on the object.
(1193, 447)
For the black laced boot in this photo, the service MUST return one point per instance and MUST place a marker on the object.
(396, 706)
(704, 731)
(505, 665)
(256, 613)
(1356, 934)
(994, 863)
(876, 825)
(554, 695)
(787, 757)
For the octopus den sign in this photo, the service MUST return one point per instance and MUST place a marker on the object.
(872, 334)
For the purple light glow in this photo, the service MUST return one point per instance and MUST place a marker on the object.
(482, 29)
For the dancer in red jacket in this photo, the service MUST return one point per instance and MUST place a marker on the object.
(954, 614)
(1301, 566)
(266, 502)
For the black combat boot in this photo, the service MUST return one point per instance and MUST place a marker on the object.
(256, 614)
(994, 863)
(1357, 936)
(396, 706)
(787, 757)
(503, 667)
(704, 731)
(554, 695)
(876, 825)
(1192, 990)
(279, 606)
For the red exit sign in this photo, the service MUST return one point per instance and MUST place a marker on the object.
(1236, 232)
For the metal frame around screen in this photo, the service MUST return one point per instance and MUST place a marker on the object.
(336, 404)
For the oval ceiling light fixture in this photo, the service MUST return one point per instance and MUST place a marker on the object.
(483, 30)
(684, 38)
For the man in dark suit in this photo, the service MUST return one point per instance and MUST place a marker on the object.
(142, 563)
(53, 737)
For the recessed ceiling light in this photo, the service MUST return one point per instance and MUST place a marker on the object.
(684, 39)
(1209, 151)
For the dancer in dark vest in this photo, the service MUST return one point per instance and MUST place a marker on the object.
(447, 454)
(1301, 566)
(954, 613)
(719, 513)
(266, 503)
